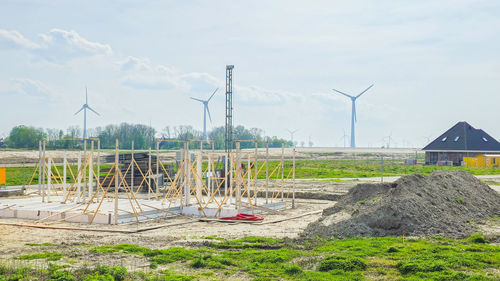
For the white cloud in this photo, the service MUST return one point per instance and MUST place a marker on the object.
(28, 87)
(56, 46)
(144, 75)
(62, 45)
(133, 63)
(14, 39)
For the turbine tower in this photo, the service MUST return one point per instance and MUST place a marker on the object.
(291, 135)
(205, 110)
(84, 108)
(353, 113)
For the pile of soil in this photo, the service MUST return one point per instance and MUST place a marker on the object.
(443, 203)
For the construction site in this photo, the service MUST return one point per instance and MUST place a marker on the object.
(136, 187)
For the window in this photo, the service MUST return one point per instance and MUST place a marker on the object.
(444, 139)
(485, 139)
(456, 138)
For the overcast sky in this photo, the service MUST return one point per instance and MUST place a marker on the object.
(433, 63)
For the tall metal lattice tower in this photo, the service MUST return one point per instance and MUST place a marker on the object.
(229, 108)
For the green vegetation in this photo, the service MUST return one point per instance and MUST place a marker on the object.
(23, 175)
(143, 136)
(329, 170)
(258, 258)
(50, 256)
(335, 169)
(39, 245)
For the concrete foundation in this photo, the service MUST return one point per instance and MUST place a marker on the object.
(32, 208)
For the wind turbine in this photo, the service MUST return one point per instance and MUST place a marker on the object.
(353, 113)
(84, 108)
(291, 135)
(205, 110)
(388, 138)
(344, 137)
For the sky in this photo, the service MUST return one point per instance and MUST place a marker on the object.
(432, 63)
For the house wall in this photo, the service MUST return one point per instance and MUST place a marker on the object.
(485, 161)
(431, 158)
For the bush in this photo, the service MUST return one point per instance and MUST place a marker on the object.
(62, 276)
(419, 265)
(477, 238)
(198, 263)
(343, 263)
(153, 265)
(98, 277)
(15, 277)
(292, 269)
(119, 273)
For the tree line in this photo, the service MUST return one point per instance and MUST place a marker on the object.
(143, 136)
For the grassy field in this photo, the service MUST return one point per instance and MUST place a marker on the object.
(257, 258)
(362, 169)
(304, 169)
(24, 175)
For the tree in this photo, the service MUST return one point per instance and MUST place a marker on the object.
(25, 137)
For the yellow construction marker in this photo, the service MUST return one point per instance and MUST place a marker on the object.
(3, 177)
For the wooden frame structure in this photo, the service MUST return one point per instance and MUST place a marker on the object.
(207, 183)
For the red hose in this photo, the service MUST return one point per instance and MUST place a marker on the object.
(244, 217)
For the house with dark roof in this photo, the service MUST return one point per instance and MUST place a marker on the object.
(461, 140)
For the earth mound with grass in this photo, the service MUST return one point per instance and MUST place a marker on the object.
(446, 203)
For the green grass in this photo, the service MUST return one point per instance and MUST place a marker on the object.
(50, 256)
(39, 245)
(24, 175)
(260, 258)
(334, 170)
(329, 170)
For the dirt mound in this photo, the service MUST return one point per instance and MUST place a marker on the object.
(444, 203)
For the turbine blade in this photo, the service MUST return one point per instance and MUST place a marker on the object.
(212, 95)
(79, 110)
(86, 96)
(198, 99)
(93, 110)
(364, 91)
(209, 117)
(343, 93)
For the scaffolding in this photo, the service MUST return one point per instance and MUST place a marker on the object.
(204, 183)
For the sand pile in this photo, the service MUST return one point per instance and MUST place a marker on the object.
(444, 203)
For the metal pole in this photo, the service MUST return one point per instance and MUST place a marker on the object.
(282, 170)
(225, 174)
(117, 183)
(91, 170)
(98, 179)
(209, 176)
(158, 170)
(249, 174)
(43, 169)
(65, 163)
(79, 180)
(256, 170)
(150, 172)
(49, 175)
(132, 174)
(198, 176)
(187, 189)
(40, 167)
(293, 179)
(239, 174)
(267, 171)
(84, 174)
